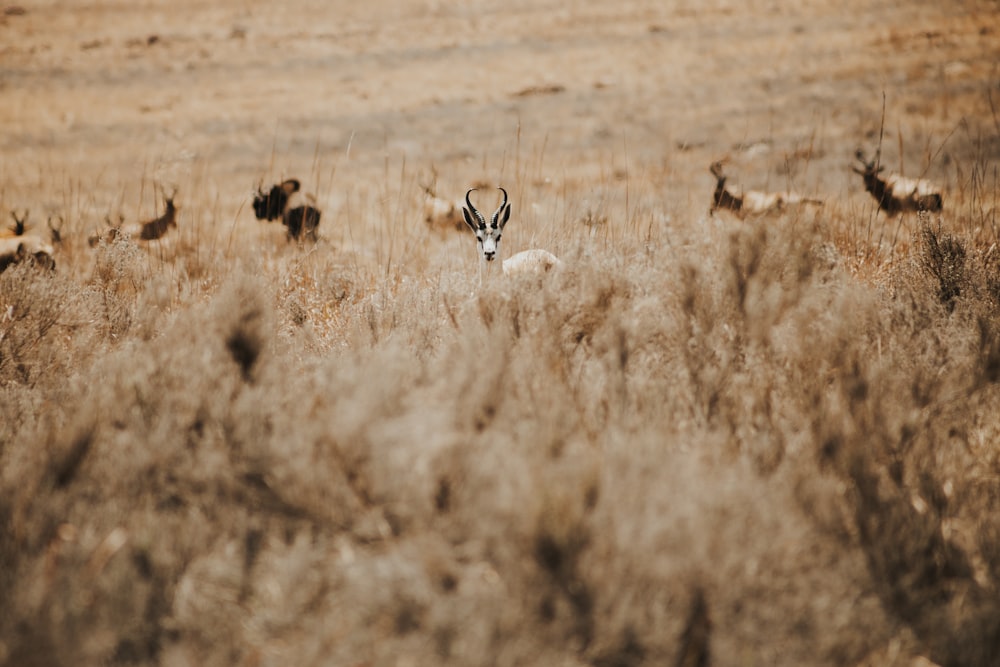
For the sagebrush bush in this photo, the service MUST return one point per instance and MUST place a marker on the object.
(724, 447)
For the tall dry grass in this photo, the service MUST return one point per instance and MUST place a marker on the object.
(704, 442)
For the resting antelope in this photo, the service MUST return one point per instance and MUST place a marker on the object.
(18, 246)
(441, 214)
(752, 202)
(300, 222)
(895, 193)
(488, 241)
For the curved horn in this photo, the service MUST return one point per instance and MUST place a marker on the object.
(496, 214)
(468, 202)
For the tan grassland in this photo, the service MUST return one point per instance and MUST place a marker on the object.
(704, 441)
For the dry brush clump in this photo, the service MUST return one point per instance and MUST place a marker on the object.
(724, 449)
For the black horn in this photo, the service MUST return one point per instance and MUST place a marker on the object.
(472, 209)
(503, 209)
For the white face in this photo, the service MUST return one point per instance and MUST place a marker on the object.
(487, 233)
(489, 242)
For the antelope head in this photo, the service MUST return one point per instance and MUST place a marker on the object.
(487, 235)
(56, 230)
(19, 223)
(870, 168)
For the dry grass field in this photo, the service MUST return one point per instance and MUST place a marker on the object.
(703, 441)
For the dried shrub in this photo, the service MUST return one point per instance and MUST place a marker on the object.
(726, 450)
(943, 257)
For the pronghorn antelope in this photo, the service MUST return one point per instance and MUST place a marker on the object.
(488, 241)
(752, 202)
(17, 246)
(300, 222)
(895, 193)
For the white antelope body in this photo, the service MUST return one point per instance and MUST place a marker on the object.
(488, 241)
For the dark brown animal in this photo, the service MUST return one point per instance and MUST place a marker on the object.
(155, 229)
(897, 194)
(300, 222)
(272, 204)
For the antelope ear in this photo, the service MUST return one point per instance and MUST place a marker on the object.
(505, 216)
(468, 219)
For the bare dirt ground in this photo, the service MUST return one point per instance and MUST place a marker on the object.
(767, 442)
(111, 95)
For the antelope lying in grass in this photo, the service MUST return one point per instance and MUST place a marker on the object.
(144, 231)
(895, 193)
(488, 241)
(441, 214)
(300, 222)
(16, 245)
(752, 202)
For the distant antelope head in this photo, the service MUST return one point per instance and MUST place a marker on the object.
(55, 231)
(869, 168)
(487, 235)
(19, 223)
